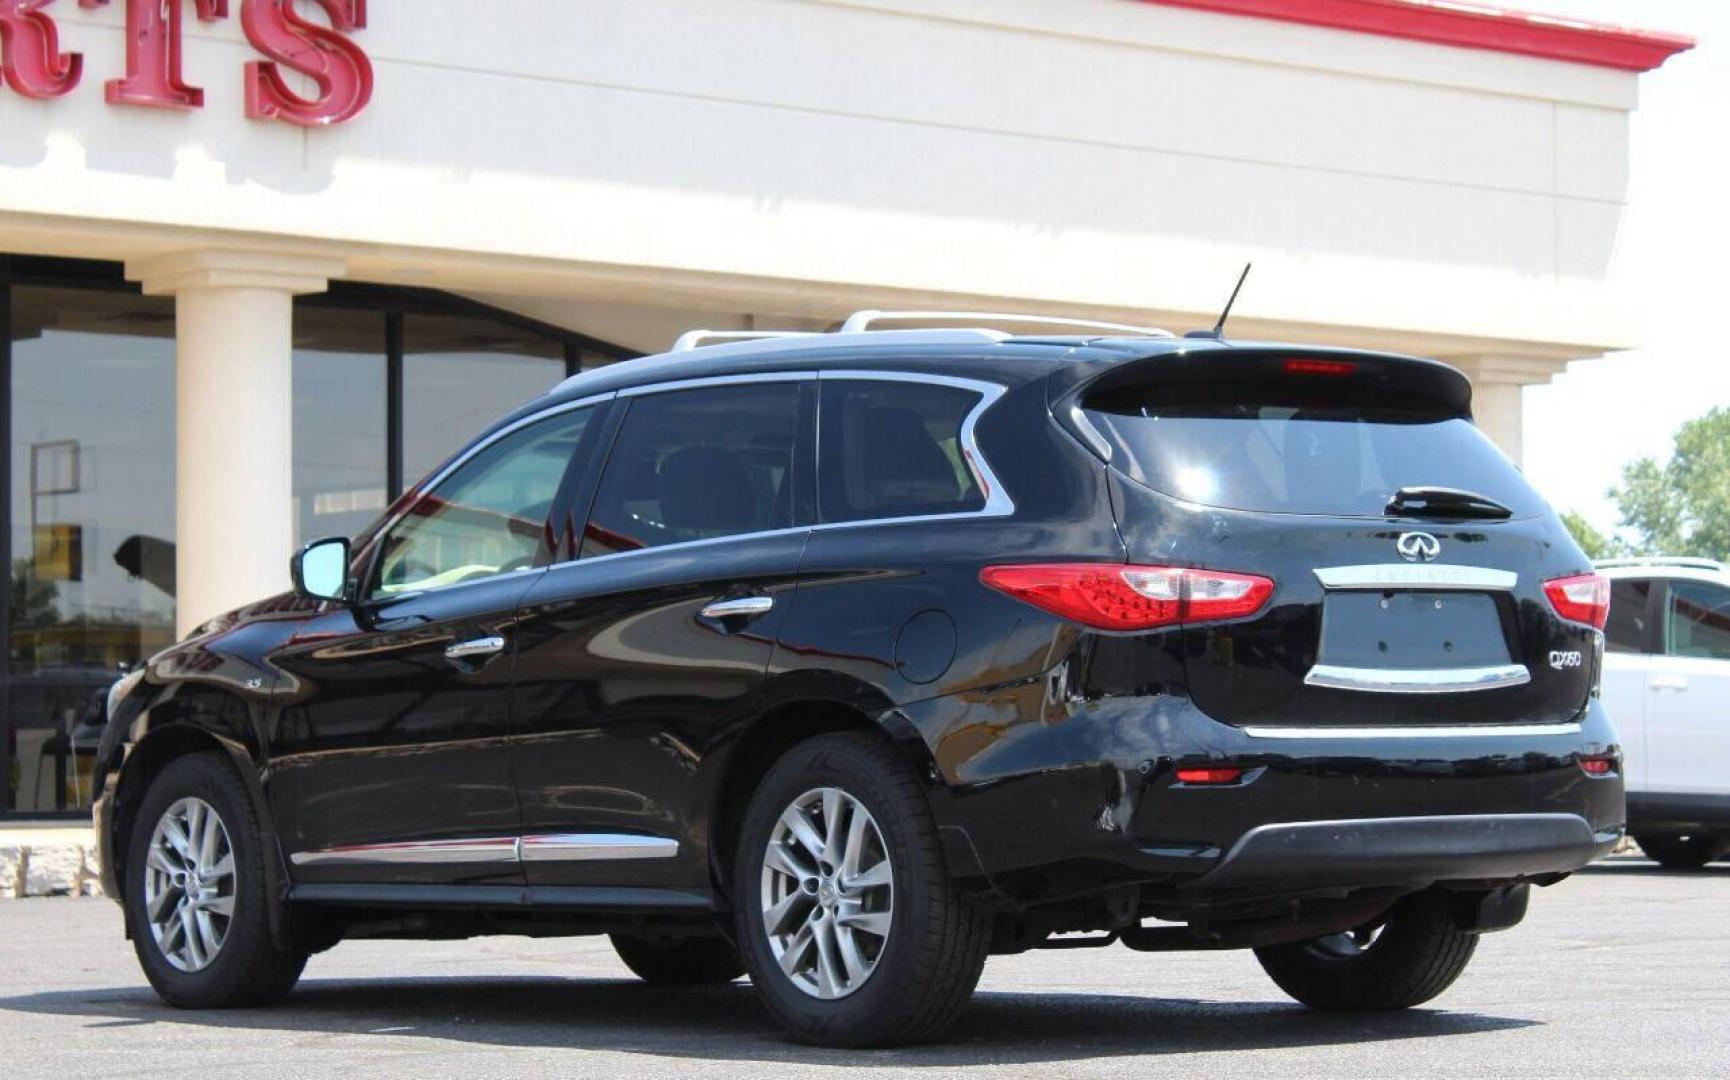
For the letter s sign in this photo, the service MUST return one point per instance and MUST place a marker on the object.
(324, 54)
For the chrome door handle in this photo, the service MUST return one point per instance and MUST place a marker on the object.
(743, 606)
(1668, 682)
(481, 646)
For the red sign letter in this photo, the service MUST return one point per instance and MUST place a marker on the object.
(324, 54)
(30, 56)
(153, 53)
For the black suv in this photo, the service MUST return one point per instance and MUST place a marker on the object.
(848, 660)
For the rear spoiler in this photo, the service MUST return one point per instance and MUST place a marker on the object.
(1335, 376)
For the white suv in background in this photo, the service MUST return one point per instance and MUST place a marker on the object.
(1667, 687)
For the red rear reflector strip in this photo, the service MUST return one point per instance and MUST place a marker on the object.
(1584, 598)
(1320, 367)
(1112, 596)
(1212, 774)
(1598, 766)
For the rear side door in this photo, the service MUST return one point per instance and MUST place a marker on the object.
(638, 657)
(390, 761)
(1631, 638)
(1688, 736)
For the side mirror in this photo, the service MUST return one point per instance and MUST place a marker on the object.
(320, 571)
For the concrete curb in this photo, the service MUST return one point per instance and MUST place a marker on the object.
(47, 862)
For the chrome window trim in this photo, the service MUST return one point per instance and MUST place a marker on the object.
(430, 486)
(997, 500)
(1417, 576)
(553, 847)
(1418, 680)
(1452, 731)
(716, 380)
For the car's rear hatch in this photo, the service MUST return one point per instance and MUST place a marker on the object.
(1409, 556)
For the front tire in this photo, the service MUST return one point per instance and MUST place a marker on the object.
(846, 916)
(195, 892)
(1406, 960)
(668, 961)
(1683, 852)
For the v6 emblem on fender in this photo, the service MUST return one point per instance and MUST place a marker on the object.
(1418, 547)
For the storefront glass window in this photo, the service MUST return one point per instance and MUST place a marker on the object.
(92, 522)
(462, 373)
(339, 421)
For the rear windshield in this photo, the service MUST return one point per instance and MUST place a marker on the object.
(1302, 459)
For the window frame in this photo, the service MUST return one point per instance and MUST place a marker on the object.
(578, 469)
(804, 460)
(997, 500)
(1661, 624)
(1657, 594)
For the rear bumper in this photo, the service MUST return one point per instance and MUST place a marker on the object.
(1056, 806)
(1308, 856)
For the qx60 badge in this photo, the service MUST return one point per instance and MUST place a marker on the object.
(1418, 547)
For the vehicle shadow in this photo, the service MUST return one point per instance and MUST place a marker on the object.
(727, 1022)
(1646, 868)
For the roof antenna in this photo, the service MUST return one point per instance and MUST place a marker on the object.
(1219, 327)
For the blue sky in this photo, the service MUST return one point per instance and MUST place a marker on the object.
(1674, 260)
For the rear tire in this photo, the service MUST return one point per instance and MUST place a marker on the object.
(674, 961)
(195, 892)
(1688, 852)
(873, 945)
(1410, 958)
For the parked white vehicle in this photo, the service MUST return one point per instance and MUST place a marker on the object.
(1667, 687)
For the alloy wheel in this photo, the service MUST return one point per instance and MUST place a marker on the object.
(189, 884)
(828, 893)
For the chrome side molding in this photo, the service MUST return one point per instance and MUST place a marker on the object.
(1417, 576)
(582, 847)
(1451, 731)
(555, 847)
(497, 849)
(1418, 680)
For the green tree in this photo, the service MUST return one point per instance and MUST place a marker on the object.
(1595, 544)
(1682, 507)
(35, 603)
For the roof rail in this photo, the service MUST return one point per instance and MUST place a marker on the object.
(1688, 561)
(861, 321)
(693, 339)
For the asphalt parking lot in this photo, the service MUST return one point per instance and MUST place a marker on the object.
(1622, 971)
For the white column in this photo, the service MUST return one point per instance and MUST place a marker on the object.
(1498, 385)
(234, 375)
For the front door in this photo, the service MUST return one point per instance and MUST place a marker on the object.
(1688, 701)
(390, 760)
(636, 659)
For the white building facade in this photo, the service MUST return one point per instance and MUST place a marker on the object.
(264, 262)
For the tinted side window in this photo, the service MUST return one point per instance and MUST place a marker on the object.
(697, 465)
(1698, 620)
(489, 516)
(893, 449)
(1626, 630)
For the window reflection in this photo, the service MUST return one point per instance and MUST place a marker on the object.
(339, 421)
(92, 521)
(460, 374)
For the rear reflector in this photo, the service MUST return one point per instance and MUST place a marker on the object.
(1212, 774)
(1598, 766)
(1320, 367)
(1582, 599)
(1112, 596)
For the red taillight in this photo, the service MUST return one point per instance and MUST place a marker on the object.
(1320, 367)
(1211, 774)
(1584, 599)
(1111, 596)
(1598, 766)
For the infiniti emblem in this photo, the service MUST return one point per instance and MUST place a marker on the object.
(1418, 547)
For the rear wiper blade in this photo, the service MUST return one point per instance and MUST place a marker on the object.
(1444, 502)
